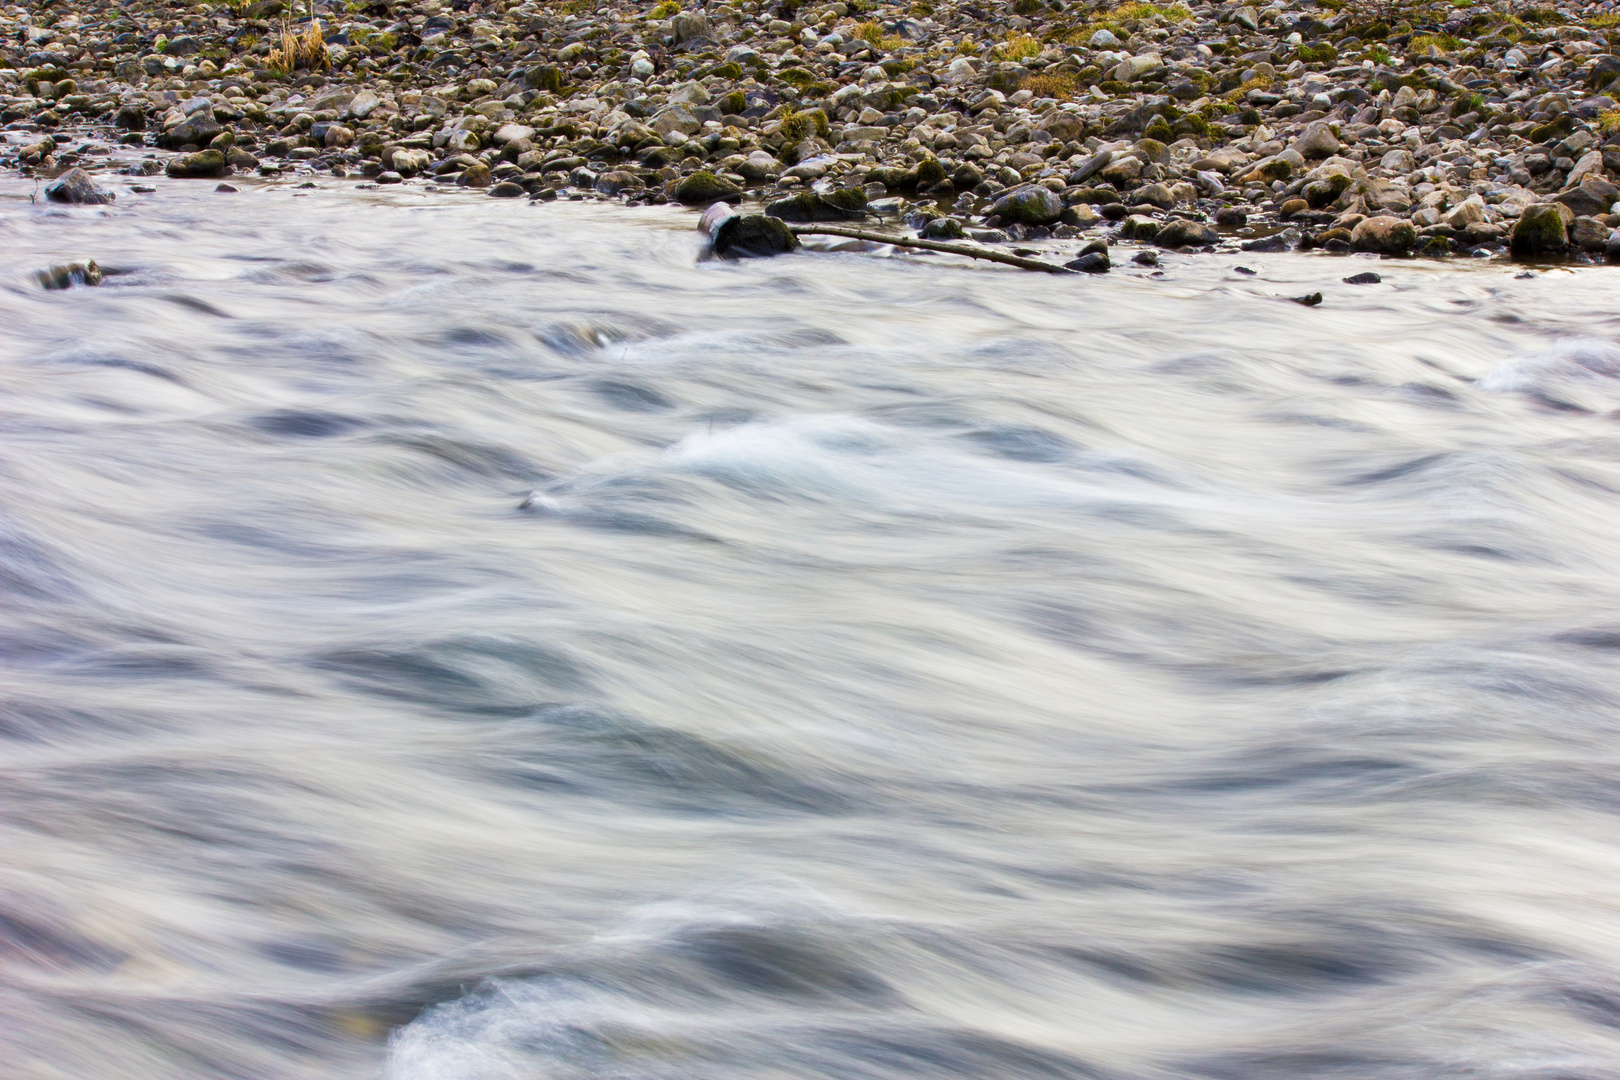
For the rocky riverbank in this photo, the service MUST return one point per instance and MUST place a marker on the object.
(1390, 127)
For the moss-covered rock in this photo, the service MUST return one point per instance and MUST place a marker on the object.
(930, 172)
(846, 205)
(1159, 129)
(1323, 192)
(1028, 206)
(204, 164)
(703, 188)
(753, 235)
(1542, 230)
(548, 77)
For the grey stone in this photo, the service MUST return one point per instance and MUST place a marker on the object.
(1028, 206)
(75, 186)
(1385, 234)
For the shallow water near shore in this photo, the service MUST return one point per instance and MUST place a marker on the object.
(449, 639)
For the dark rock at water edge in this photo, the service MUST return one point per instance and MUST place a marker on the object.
(198, 129)
(1542, 230)
(702, 188)
(1385, 235)
(204, 164)
(65, 277)
(75, 186)
(753, 235)
(846, 205)
(1182, 233)
(1029, 206)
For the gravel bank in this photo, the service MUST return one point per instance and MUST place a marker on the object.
(1396, 128)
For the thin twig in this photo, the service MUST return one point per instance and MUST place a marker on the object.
(930, 245)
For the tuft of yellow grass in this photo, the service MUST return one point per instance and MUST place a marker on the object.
(1018, 47)
(1140, 9)
(295, 52)
(872, 33)
(1060, 85)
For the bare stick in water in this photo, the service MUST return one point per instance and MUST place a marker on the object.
(930, 245)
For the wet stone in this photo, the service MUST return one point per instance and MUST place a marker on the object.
(75, 186)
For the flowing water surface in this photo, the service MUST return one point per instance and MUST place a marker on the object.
(450, 639)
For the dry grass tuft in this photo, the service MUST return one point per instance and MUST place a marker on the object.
(1018, 47)
(1139, 9)
(305, 52)
(872, 33)
(1060, 85)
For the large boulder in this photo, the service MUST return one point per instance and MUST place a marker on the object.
(1179, 232)
(508, 133)
(1316, 141)
(198, 129)
(678, 117)
(689, 26)
(363, 105)
(1592, 197)
(759, 166)
(1542, 230)
(753, 235)
(1588, 234)
(1134, 67)
(846, 205)
(75, 186)
(1384, 234)
(204, 164)
(703, 188)
(1032, 205)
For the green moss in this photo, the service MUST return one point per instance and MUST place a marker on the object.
(1191, 124)
(1539, 231)
(703, 188)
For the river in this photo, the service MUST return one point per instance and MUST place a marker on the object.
(455, 639)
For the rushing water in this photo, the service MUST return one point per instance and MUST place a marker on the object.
(451, 639)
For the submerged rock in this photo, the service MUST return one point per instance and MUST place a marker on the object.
(75, 186)
(753, 235)
(65, 277)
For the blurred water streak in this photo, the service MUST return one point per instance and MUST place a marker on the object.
(450, 640)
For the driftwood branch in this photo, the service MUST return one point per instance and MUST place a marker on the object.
(969, 250)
